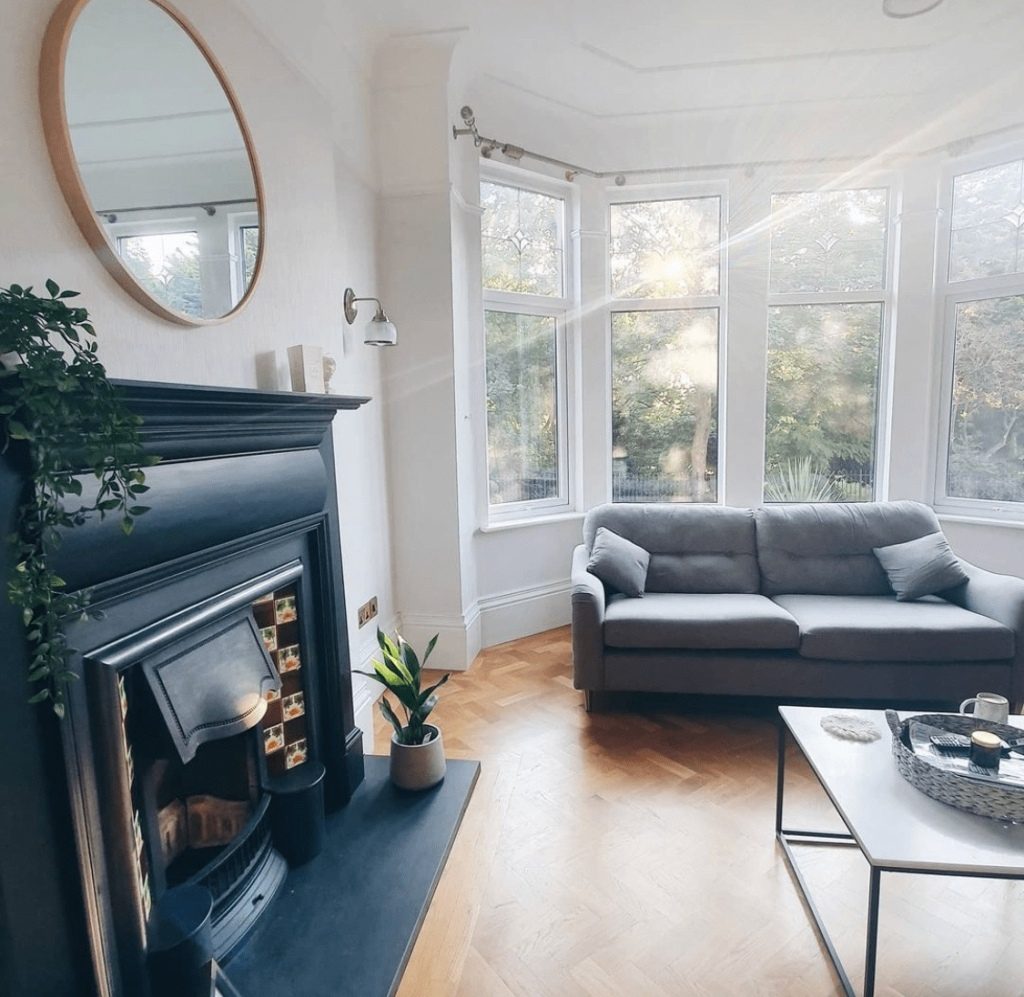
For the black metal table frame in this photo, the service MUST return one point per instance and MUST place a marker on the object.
(787, 837)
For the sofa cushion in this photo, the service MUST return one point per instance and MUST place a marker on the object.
(829, 549)
(925, 566)
(699, 621)
(878, 628)
(694, 548)
(619, 563)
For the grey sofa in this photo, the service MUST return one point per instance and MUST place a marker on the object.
(789, 601)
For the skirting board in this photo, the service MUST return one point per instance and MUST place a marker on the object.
(458, 637)
(522, 612)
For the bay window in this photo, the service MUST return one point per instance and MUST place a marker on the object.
(981, 279)
(523, 256)
(828, 304)
(666, 279)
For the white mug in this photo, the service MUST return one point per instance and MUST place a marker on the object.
(989, 706)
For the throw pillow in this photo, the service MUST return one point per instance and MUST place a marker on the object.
(619, 562)
(921, 567)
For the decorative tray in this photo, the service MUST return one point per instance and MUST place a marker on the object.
(955, 780)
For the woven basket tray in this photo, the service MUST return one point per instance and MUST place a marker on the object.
(999, 802)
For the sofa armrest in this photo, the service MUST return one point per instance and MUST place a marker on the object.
(587, 624)
(1000, 598)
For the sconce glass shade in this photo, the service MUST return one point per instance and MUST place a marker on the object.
(380, 331)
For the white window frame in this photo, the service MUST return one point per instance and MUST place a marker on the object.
(237, 221)
(562, 309)
(948, 295)
(885, 296)
(681, 191)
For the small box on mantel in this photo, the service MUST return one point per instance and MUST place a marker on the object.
(306, 365)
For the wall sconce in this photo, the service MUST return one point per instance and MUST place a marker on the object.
(380, 330)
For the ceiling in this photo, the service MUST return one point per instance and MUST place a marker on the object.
(626, 83)
(609, 60)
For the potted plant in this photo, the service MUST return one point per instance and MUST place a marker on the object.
(417, 749)
(63, 416)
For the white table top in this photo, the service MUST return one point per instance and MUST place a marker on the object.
(896, 825)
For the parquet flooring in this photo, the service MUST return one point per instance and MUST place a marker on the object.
(631, 853)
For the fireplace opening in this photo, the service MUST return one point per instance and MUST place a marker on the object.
(216, 742)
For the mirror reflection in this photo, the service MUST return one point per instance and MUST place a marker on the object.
(162, 157)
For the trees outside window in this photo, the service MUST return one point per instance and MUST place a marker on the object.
(665, 264)
(525, 305)
(828, 304)
(167, 266)
(981, 460)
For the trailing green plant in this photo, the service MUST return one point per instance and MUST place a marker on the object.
(400, 672)
(57, 403)
(799, 481)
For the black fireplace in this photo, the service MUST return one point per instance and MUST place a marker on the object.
(214, 698)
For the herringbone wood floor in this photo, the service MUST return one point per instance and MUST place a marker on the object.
(632, 853)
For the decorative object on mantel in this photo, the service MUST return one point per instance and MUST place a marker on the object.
(987, 796)
(330, 369)
(306, 367)
(380, 330)
(55, 399)
(417, 749)
(850, 727)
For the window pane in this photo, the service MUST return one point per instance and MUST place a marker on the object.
(986, 447)
(832, 240)
(822, 402)
(167, 265)
(665, 249)
(988, 213)
(522, 407)
(250, 250)
(665, 406)
(521, 235)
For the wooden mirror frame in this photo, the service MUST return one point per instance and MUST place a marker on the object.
(52, 66)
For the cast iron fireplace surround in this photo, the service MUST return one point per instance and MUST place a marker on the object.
(243, 501)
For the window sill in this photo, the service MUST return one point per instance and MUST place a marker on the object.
(501, 525)
(979, 520)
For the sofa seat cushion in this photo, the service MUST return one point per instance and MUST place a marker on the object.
(699, 621)
(878, 628)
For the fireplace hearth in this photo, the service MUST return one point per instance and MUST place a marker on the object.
(214, 712)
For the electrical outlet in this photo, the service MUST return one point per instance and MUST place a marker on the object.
(367, 611)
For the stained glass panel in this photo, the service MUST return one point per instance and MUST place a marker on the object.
(521, 240)
(829, 241)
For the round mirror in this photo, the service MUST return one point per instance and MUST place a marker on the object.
(153, 155)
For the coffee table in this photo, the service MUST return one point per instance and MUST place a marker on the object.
(897, 828)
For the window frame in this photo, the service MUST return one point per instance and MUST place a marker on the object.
(885, 296)
(949, 294)
(562, 309)
(678, 191)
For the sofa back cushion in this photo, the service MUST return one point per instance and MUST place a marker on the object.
(693, 548)
(829, 549)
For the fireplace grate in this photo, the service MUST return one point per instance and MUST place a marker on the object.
(232, 868)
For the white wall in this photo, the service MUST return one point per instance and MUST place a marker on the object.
(321, 235)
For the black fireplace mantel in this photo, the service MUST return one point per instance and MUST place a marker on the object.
(246, 482)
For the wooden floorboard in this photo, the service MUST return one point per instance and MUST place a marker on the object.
(632, 853)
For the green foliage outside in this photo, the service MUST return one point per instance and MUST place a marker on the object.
(986, 458)
(522, 419)
(176, 284)
(821, 401)
(665, 405)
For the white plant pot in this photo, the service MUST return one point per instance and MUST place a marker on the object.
(418, 766)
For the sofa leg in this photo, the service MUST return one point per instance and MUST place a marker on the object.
(588, 700)
(594, 700)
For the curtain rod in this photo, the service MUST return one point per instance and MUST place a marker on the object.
(488, 146)
(210, 207)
